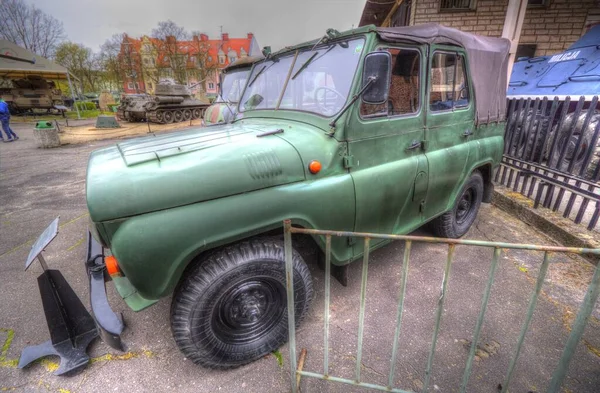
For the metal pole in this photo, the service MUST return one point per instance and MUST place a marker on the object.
(289, 274)
(585, 311)
(73, 96)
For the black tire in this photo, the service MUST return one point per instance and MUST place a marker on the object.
(187, 114)
(529, 147)
(585, 145)
(196, 113)
(456, 222)
(231, 308)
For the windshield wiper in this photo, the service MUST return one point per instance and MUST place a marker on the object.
(257, 75)
(306, 63)
(310, 60)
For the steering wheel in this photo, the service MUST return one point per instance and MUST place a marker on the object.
(326, 88)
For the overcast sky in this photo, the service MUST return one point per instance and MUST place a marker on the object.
(274, 22)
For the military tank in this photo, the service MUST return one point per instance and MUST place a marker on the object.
(231, 85)
(32, 92)
(172, 103)
(131, 108)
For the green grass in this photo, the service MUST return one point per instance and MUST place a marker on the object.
(279, 357)
(69, 115)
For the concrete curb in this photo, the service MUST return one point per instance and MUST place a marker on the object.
(553, 224)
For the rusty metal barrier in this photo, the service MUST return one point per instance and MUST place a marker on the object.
(551, 152)
(559, 373)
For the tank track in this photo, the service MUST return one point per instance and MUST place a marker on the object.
(174, 115)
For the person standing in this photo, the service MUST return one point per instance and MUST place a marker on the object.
(5, 119)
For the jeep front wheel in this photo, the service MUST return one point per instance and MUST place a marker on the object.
(231, 308)
(456, 222)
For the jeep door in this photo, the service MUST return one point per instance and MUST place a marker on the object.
(384, 141)
(449, 124)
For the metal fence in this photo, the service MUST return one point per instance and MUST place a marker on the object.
(578, 327)
(551, 155)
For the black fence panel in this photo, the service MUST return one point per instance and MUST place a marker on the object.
(552, 155)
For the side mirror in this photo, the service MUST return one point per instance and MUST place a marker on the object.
(376, 71)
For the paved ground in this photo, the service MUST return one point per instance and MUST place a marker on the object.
(38, 185)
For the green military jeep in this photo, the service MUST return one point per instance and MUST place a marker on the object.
(370, 130)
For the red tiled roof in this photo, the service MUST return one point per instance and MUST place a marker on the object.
(191, 47)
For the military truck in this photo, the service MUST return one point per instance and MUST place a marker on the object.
(32, 92)
(372, 130)
(231, 84)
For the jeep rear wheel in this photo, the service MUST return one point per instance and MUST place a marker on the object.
(456, 222)
(231, 308)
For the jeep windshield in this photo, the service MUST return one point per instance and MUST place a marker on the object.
(233, 85)
(311, 80)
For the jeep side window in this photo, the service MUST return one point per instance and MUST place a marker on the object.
(449, 88)
(403, 98)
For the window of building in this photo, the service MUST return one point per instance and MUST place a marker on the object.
(403, 98)
(537, 3)
(130, 85)
(221, 59)
(211, 85)
(457, 5)
(449, 89)
(526, 50)
(146, 61)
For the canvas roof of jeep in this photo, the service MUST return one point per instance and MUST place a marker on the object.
(488, 62)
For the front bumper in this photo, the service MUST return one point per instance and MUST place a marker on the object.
(109, 324)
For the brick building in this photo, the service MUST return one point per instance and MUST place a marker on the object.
(549, 26)
(196, 62)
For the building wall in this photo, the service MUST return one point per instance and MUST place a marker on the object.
(552, 28)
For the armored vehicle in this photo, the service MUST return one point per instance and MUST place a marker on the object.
(565, 76)
(30, 93)
(370, 130)
(131, 107)
(231, 84)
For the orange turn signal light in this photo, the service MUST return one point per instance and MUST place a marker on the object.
(314, 167)
(112, 266)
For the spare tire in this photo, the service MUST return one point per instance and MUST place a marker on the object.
(529, 147)
(571, 143)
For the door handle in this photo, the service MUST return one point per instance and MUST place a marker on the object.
(467, 133)
(414, 145)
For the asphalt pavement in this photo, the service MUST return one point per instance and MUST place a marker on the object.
(38, 185)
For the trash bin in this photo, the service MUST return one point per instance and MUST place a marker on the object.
(46, 134)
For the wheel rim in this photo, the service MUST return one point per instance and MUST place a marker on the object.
(159, 116)
(187, 114)
(196, 113)
(465, 205)
(178, 116)
(248, 310)
(168, 116)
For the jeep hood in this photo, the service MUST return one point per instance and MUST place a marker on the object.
(159, 172)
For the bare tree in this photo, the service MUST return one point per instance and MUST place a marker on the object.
(29, 27)
(111, 62)
(169, 28)
(203, 66)
(172, 57)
